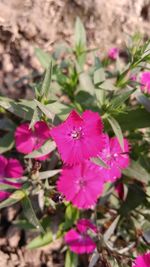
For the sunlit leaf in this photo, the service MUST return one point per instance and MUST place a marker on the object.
(41, 240)
(135, 170)
(71, 259)
(45, 149)
(13, 198)
(43, 57)
(30, 214)
(117, 130)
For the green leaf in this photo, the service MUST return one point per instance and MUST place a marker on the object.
(7, 124)
(41, 240)
(43, 57)
(99, 76)
(14, 198)
(45, 149)
(47, 81)
(135, 197)
(17, 108)
(30, 214)
(135, 170)
(80, 35)
(94, 259)
(48, 174)
(36, 117)
(6, 142)
(117, 130)
(71, 215)
(98, 161)
(23, 224)
(71, 259)
(142, 99)
(121, 98)
(134, 119)
(49, 114)
(108, 86)
(86, 83)
(6, 186)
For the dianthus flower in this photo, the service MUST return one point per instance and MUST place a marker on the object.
(113, 53)
(81, 184)
(28, 139)
(79, 240)
(9, 168)
(115, 158)
(142, 261)
(145, 82)
(79, 137)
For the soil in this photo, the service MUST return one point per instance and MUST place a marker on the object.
(27, 24)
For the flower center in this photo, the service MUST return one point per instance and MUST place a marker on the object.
(76, 134)
(81, 183)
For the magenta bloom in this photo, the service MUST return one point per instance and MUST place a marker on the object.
(9, 168)
(79, 240)
(115, 158)
(113, 53)
(142, 261)
(79, 137)
(28, 140)
(81, 184)
(145, 82)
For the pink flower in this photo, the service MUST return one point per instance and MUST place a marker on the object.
(28, 139)
(79, 240)
(115, 158)
(81, 184)
(142, 261)
(9, 168)
(145, 82)
(133, 77)
(79, 137)
(3, 195)
(113, 53)
(120, 190)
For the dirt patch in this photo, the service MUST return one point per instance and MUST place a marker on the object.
(30, 23)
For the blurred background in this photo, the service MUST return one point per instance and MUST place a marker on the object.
(27, 24)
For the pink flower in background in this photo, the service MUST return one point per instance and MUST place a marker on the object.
(142, 261)
(79, 240)
(3, 195)
(113, 53)
(81, 184)
(115, 158)
(79, 137)
(9, 168)
(145, 82)
(133, 77)
(28, 140)
(120, 190)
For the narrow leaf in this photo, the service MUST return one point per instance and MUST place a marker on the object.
(30, 214)
(41, 240)
(135, 170)
(14, 198)
(86, 83)
(49, 114)
(117, 130)
(47, 81)
(71, 259)
(45, 149)
(98, 161)
(48, 174)
(111, 229)
(43, 57)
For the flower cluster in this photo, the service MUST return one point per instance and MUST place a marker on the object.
(9, 168)
(78, 139)
(79, 239)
